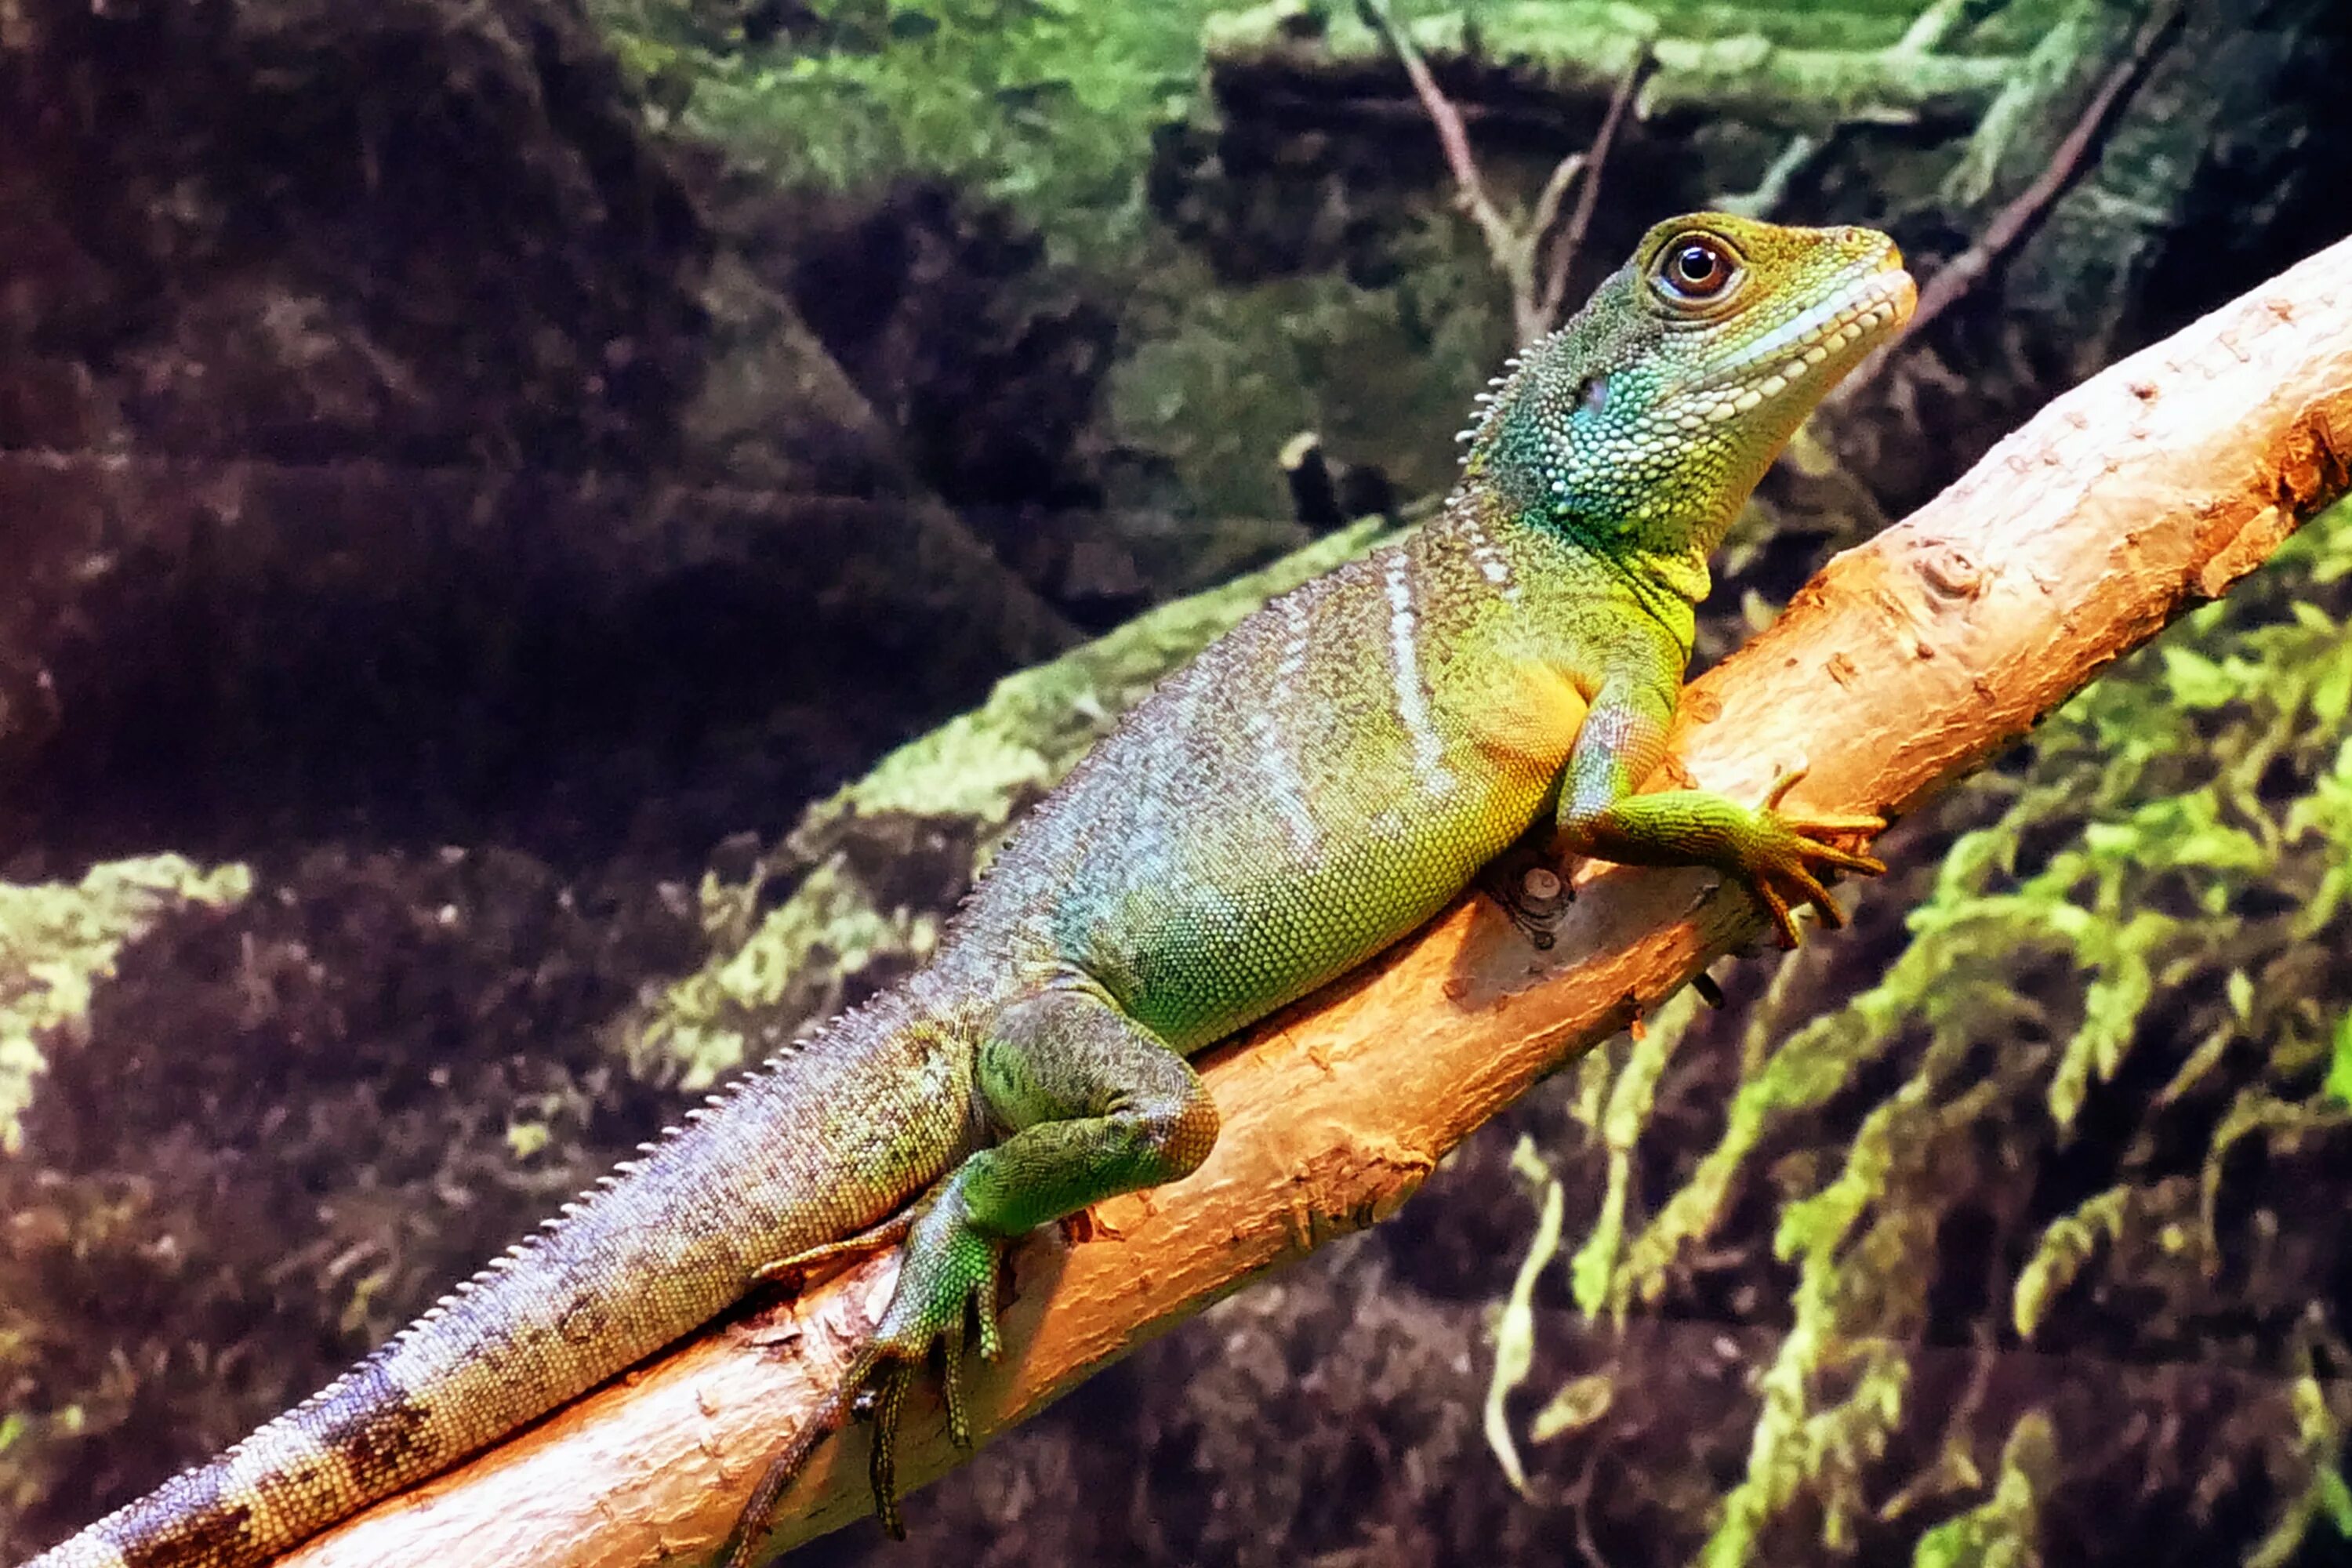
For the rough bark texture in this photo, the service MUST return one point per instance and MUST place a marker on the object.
(1906, 663)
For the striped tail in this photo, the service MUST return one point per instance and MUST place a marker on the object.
(827, 1140)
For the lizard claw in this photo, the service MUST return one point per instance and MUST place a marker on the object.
(948, 1277)
(951, 1349)
(952, 1386)
(1779, 866)
(891, 1382)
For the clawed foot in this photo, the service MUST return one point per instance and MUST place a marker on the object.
(1779, 866)
(947, 1281)
(803, 1269)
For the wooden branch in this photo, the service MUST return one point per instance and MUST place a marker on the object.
(1532, 60)
(1516, 245)
(2020, 218)
(1453, 137)
(1510, 246)
(1570, 240)
(1907, 662)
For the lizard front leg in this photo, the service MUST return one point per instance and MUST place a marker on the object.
(1094, 1104)
(1777, 855)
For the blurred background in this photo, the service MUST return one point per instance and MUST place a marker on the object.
(513, 516)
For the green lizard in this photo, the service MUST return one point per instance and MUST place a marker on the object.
(1316, 785)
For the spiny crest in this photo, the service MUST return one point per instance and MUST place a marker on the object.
(532, 1244)
(333, 1391)
(1643, 422)
(1487, 407)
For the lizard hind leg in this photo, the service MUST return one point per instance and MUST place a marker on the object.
(1091, 1103)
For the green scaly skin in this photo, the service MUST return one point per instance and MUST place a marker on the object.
(1313, 787)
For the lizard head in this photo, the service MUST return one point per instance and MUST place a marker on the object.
(1642, 423)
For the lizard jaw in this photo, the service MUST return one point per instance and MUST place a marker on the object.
(1841, 329)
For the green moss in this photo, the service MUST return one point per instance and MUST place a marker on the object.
(1053, 107)
(1632, 1093)
(1217, 374)
(287, 1121)
(2339, 1064)
(58, 943)
(1508, 29)
(1036, 725)
(2003, 1532)
(2324, 1496)
(2140, 928)
(1515, 1326)
(1042, 103)
(2074, 1241)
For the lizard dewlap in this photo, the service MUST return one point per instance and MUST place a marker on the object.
(1311, 788)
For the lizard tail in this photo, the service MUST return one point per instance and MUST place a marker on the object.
(828, 1139)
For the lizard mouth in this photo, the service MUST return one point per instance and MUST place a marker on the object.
(1842, 328)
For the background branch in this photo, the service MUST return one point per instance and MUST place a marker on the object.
(1570, 240)
(1265, 55)
(1907, 662)
(1517, 245)
(2018, 218)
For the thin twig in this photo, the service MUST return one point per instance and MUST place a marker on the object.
(1555, 191)
(1572, 240)
(2018, 219)
(1452, 136)
(1515, 247)
(1588, 1546)
(1773, 188)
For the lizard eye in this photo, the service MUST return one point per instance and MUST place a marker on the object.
(1695, 269)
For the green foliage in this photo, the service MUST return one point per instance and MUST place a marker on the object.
(1044, 103)
(172, 1270)
(58, 943)
(2326, 1495)
(2002, 1531)
(1514, 1328)
(2146, 918)
(2339, 1063)
(2074, 1241)
(1631, 1095)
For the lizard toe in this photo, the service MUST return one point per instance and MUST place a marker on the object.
(951, 1386)
(1776, 909)
(891, 1382)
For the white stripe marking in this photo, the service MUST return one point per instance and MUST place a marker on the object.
(1490, 561)
(1411, 700)
(1274, 747)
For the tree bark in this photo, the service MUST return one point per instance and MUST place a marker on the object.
(1518, 58)
(1909, 661)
